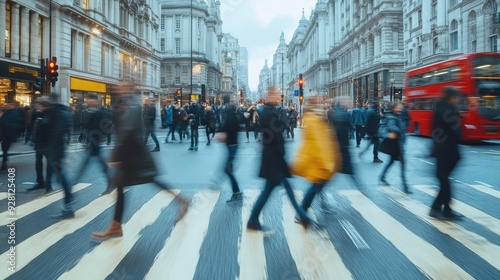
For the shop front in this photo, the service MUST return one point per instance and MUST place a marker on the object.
(16, 83)
(80, 88)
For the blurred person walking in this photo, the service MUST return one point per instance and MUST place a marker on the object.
(292, 116)
(358, 119)
(318, 158)
(371, 129)
(393, 133)
(134, 164)
(149, 115)
(195, 112)
(273, 168)
(58, 122)
(99, 125)
(168, 121)
(210, 123)
(446, 137)
(40, 139)
(253, 122)
(229, 134)
(10, 127)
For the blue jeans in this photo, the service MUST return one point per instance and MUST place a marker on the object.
(194, 136)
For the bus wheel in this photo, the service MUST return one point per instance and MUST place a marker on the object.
(416, 129)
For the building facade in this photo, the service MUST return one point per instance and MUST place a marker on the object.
(97, 44)
(231, 56)
(265, 81)
(437, 30)
(190, 40)
(280, 70)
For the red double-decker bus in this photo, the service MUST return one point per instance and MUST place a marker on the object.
(476, 76)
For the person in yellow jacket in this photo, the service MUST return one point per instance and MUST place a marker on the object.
(319, 156)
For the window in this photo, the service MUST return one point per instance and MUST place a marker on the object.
(85, 4)
(435, 45)
(419, 52)
(162, 25)
(410, 25)
(177, 22)
(7, 29)
(419, 17)
(40, 37)
(434, 9)
(144, 71)
(454, 36)
(473, 46)
(410, 56)
(121, 66)
(453, 3)
(493, 43)
(177, 46)
(177, 74)
(162, 44)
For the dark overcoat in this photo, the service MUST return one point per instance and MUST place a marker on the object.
(273, 166)
(446, 133)
(341, 120)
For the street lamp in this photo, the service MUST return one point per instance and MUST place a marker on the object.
(282, 80)
(191, 76)
(392, 89)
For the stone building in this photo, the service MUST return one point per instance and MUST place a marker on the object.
(98, 44)
(437, 30)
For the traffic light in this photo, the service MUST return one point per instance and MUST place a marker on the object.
(301, 87)
(324, 98)
(301, 98)
(53, 71)
(179, 92)
(39, 84)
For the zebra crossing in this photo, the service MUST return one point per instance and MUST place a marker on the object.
(375, 234)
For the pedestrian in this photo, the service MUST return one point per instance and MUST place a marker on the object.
(40, 138)
(10, 126)
(184, 122)
(371, 129)
(210, 123)
(292, 116)
(168, 121)
(446, 134)
(149, 115)
(318, 158)
(273, 168)
(58, 122)
(134, 164)
(99, 125)
(393, 133)
(195, 113)
(229, 135)
(358, 119)
(253, 120)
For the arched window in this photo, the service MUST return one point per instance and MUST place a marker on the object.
(454, 35)
(472, 24)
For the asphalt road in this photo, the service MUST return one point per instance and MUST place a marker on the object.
(369, 231)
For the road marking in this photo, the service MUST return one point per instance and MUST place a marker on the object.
(483, 189)
(105, 258)
(482, 183)
(180, 255)
(3, 195)
(478, 216)
(356, 238)
(40, 242)
(426, 257)
(476, 243)
(313, 251)
(29, 183)
(428, 162)
(34, 205)
(251, 255)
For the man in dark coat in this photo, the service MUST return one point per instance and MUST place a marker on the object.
(372, 125)
(273, 168)
(446, 134)
(59, 121)
(149, 115)
(358, 119)
(195, 112)
(10, 126)
(134, 163)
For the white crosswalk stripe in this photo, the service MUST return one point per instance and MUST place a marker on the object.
(315, 252)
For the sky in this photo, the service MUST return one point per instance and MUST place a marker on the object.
(258, 25)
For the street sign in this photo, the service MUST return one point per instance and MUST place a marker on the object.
(296, 92)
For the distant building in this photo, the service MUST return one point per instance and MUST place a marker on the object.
(189, 63)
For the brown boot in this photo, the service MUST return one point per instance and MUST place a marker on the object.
(114, 230)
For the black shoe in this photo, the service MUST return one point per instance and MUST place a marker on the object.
(357, 146)
(259, 227)
(377, 160)
(384, 182)
(235, 198)
(190, 149)
(452, 215)
(407, 190)
(304, 222)
(208, 144)
(64, 215)
(436, 214)
(36, 187)
(48, 189)
(157, 149)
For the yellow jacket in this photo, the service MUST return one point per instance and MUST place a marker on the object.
(319, 156)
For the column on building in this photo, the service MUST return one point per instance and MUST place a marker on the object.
(34, 37)
(376, 43)
(46, 38)
(2, 26)
(14, 51)
(116, 9)
(25, 34)
(441, 14)
(321, 36)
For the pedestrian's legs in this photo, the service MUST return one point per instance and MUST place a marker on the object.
(207, 132)
(229, 167)
(255, 132)
(289, 191)
(247, 130)
(39, 167)
(196, 135)
(55, 164)
(259, 204)
(376, 144)
(315, 189)
(183, 202)
(85, 163)
(5, 149)
(365, 148)
(292, 132)
(146, 135)
(174, 129)
(120, 204)
(192, 136)
(444, 195)
(382, 175)
(358, 135)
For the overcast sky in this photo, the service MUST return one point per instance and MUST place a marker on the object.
(258, 25)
